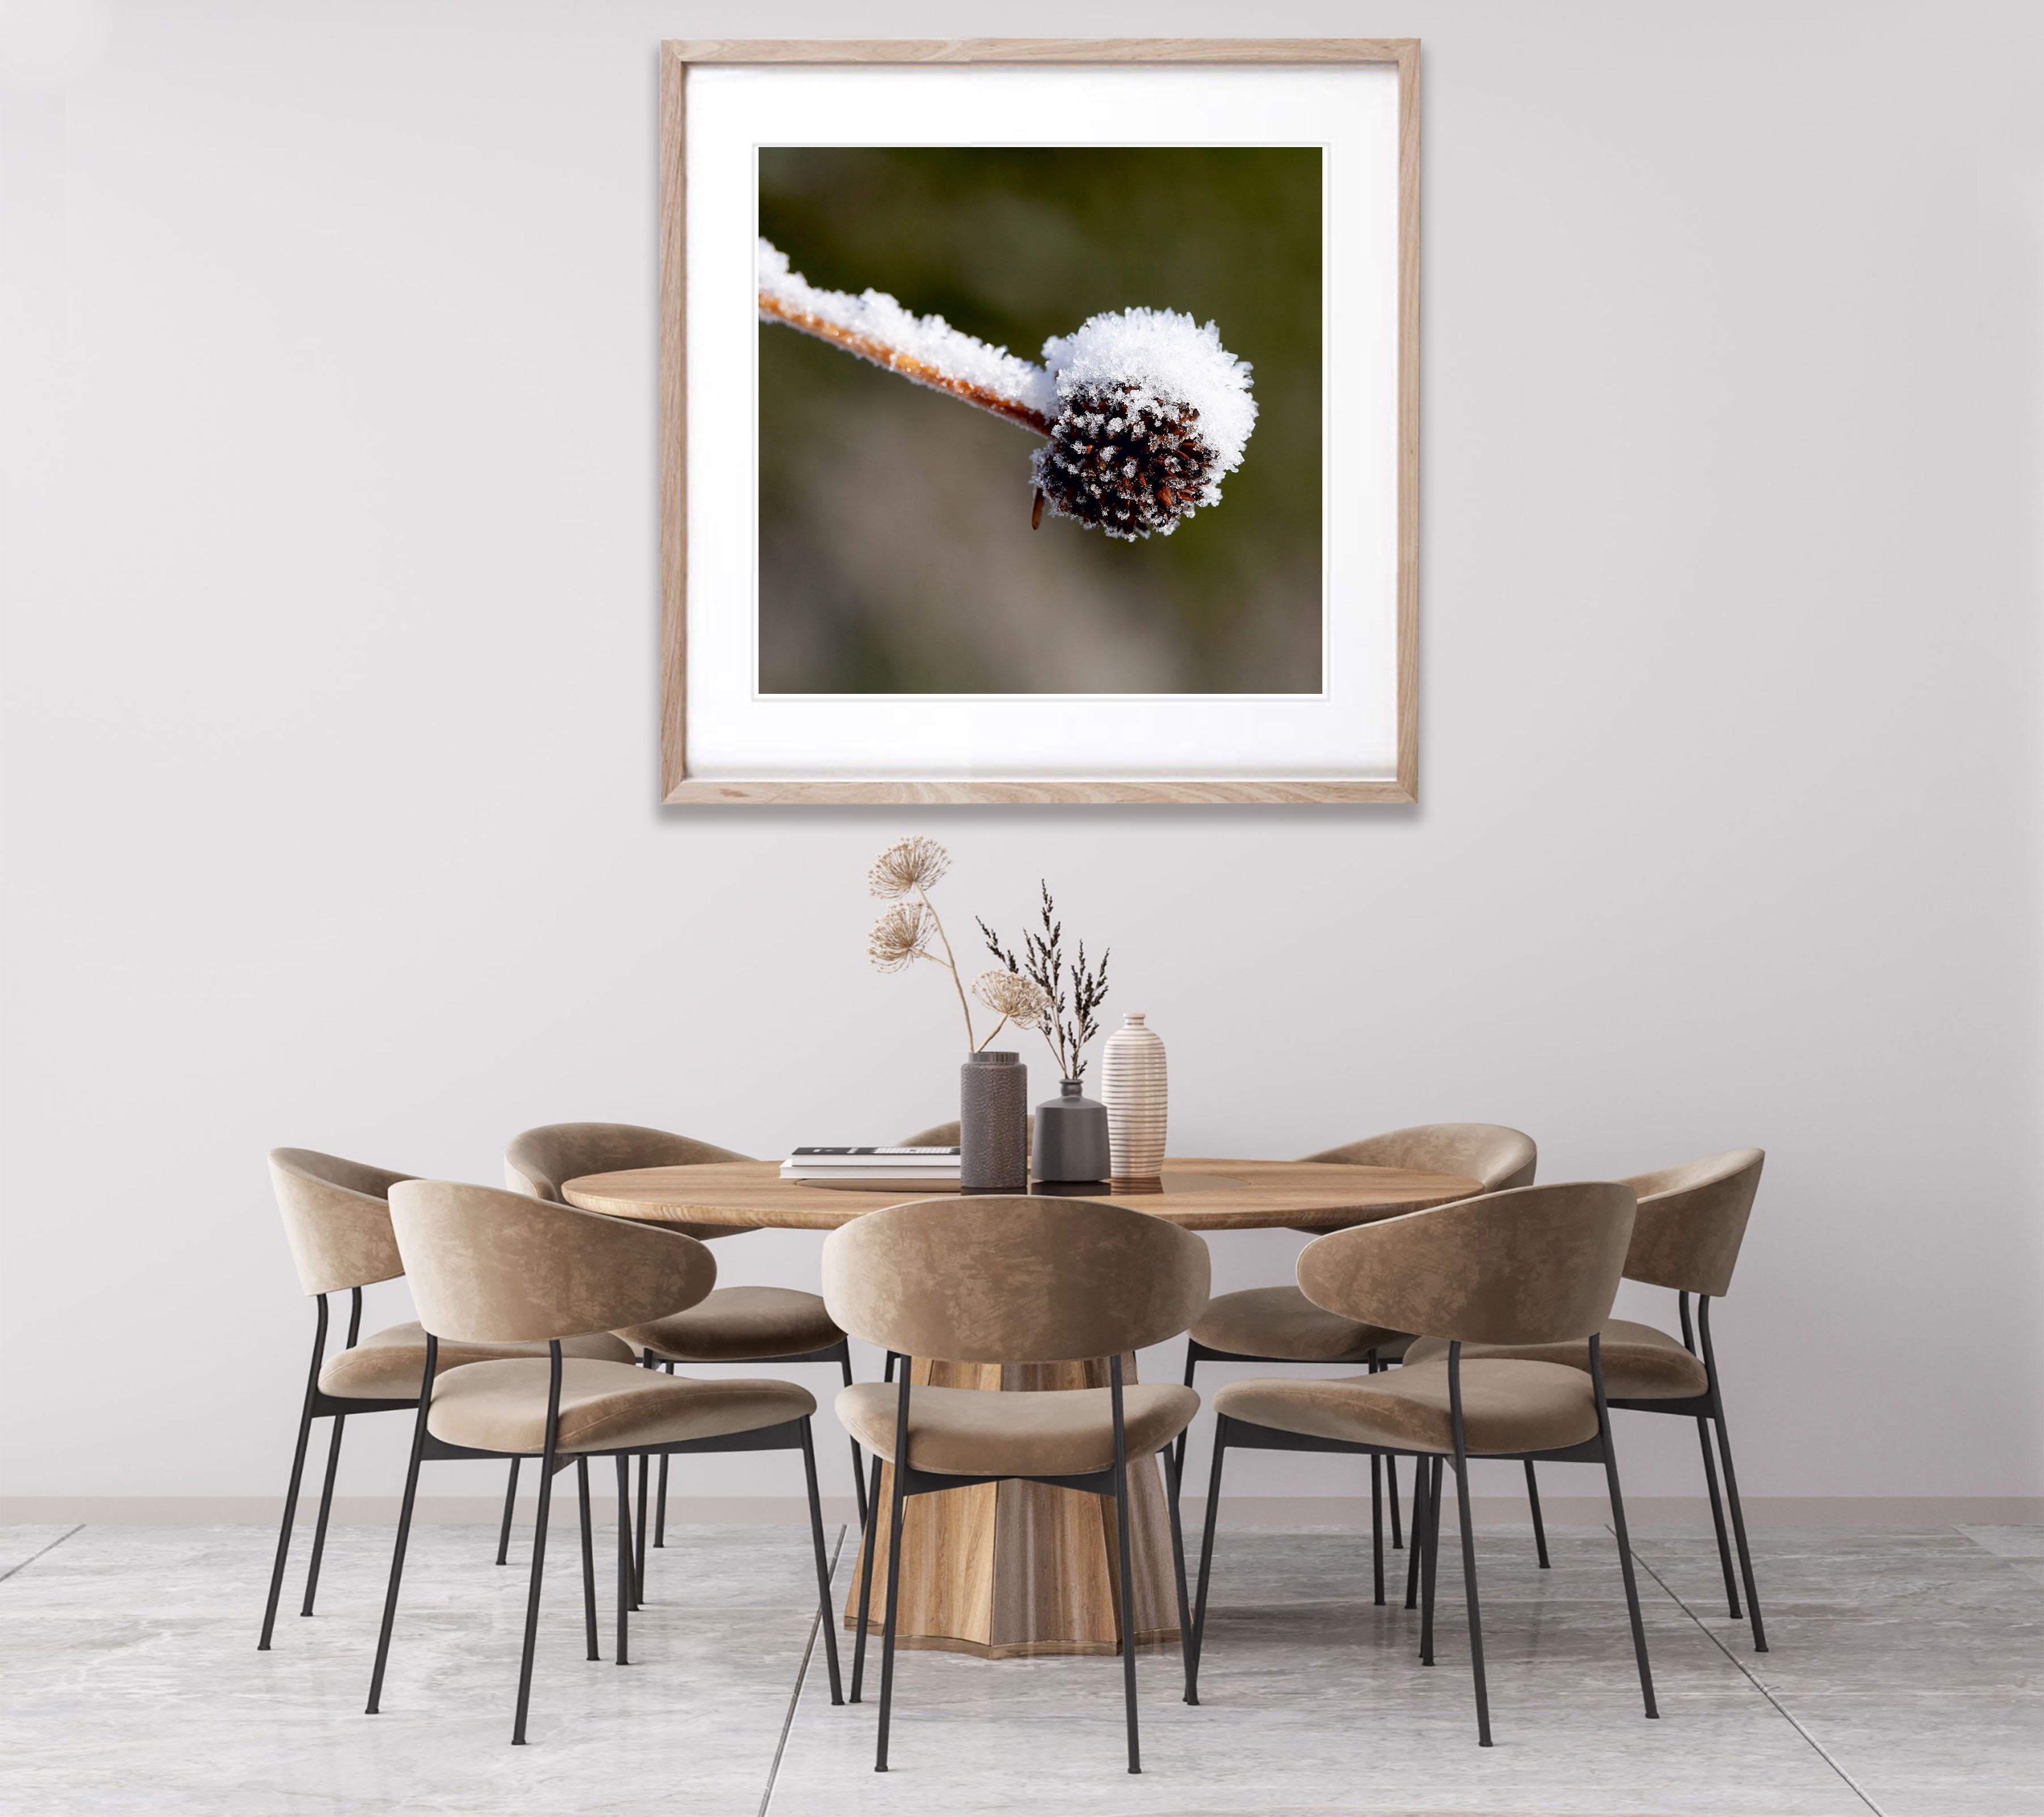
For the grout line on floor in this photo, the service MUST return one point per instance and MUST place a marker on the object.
(53, 1545)
(801, 1673)
(1822, 1754)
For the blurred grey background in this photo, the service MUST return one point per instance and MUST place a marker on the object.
(896, 555)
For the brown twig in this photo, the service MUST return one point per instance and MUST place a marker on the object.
(919, 371)
(1043, 960)
(949, 962)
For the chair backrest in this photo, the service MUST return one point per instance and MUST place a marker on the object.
(937, 1136)
(1499, 1157)
(337, 1218)
(1693, 1219)
(494, 1267)
(997, 1279)
(1532, 1264)
(541, 1160)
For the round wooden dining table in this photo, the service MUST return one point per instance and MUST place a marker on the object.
(1006, 1570)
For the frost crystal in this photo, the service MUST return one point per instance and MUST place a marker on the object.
(1152, 410)
(903, 341)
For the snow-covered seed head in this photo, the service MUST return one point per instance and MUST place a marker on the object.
(1144, 408)
(1152, 410)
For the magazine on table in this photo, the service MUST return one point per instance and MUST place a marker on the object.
(887, 1162)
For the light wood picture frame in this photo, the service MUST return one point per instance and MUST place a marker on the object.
(686, 779)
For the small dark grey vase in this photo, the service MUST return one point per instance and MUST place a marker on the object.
(1071, 1136)
(993, 1124)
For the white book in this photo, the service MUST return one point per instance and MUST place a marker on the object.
(877, 1163)
(876, 1160)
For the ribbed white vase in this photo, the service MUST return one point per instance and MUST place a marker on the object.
(1132, 1086)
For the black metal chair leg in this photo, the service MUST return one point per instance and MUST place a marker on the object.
(1539, 1526)
(1718, 1518)
(1126, 1589)
(1377, 1528)
(1378, 1366)
(894, 1604)
(1185, 1436)
(1469, 1597)
(588, 1559)
(284, 1530)
(639, 1545)
(298, 1477)
(1206, 1558)
(1429, 1570)
(869, 1544)
(624, 1572)
(510, 1505)
(1631, 1586)
(1415, 1559)
(1730, 1476)
(404, 1526)
(1178, 1574)
(1128, 1600)
(647, 1361)
(325, 1508)
(1738, 1537)
(660, 1496)
(1710, 1480)
(858, 1461)
(539, 1545)
(532, 1595)
(827, 1618)
(1619, 1528)
(333, 1466)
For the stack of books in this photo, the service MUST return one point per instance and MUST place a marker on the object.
(876, 1168)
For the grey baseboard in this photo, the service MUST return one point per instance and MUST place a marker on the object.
(1236, 1510)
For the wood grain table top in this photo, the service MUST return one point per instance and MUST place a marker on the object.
(1199, 1195)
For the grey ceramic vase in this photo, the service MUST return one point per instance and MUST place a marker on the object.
(993, 1124)
(1071, 1137)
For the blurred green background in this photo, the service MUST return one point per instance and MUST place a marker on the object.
(896, 555)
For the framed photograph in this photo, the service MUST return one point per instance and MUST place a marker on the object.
(1039, 420)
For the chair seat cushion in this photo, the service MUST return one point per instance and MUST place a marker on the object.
(1051, 1432)
(1507, 1407)
(739, 1324)
(388, 1365)
(1640, 1363)
(604, 1407)
(1280, 1324)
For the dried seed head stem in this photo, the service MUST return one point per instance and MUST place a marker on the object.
(920, 371)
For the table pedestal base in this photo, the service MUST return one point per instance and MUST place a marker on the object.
(1007, 1570)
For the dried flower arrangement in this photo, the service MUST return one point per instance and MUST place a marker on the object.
(1142, 410)
(1066, 1027)
(912, 868)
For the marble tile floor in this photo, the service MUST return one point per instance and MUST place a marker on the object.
(1906, 1678)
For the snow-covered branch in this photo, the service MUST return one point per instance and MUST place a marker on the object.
(1142, 410)
(924, 348)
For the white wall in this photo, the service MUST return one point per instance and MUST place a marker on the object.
(330, 709)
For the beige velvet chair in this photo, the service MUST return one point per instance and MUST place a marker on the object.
(1280, 1324)
(1691, 1221)
(1530, 1265)
(491, 1267)
(337, 1218)
(750, 1325)
(1002, 1280)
